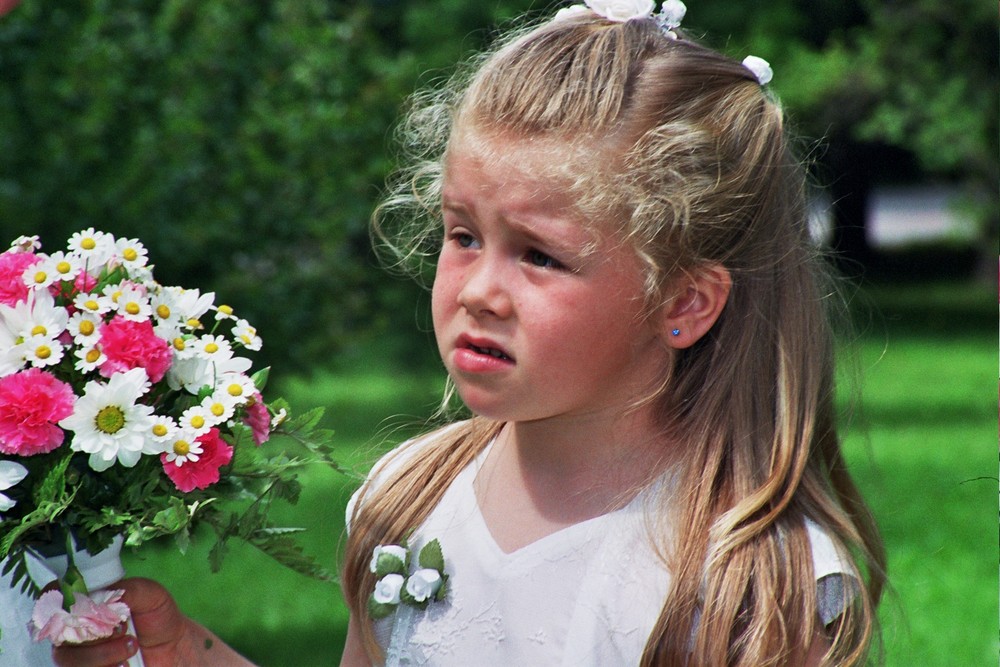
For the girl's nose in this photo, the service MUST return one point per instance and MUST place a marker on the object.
(485, 292)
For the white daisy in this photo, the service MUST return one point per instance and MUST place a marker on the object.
(220, 406)
(88, 358)
(193, 373)
(84, 327)
(10, 474)
(197, 420)
(39, 275)
(212, 348)
(246, 335)
(95, 304)
(224, 312)
(237, 386)
(26, 244)
(131, 253)
(36, 315)
(163, 429)
(66, 266)
(108, 424)
(42, 350)
(93, 247)
(183, 448)
(132, 303)
(191, 304)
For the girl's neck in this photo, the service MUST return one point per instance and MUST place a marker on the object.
(540, 477)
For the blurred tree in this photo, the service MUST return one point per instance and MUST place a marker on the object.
(246, 143)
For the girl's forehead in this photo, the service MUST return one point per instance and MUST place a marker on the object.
(554, 160)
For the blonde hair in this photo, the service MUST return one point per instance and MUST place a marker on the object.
(692, 155)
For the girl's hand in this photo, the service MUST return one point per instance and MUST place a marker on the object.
(166, 637)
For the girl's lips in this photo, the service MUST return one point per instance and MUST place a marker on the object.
(480, 355)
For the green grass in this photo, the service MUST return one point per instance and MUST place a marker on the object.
(922, 443)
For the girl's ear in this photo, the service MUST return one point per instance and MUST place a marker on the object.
(697, 303)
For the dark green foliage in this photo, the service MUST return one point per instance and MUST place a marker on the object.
(246, 142)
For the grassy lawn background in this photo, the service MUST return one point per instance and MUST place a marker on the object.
(922, 443)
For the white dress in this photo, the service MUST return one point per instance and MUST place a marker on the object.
(587, 595)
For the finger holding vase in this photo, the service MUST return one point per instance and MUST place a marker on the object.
(128, 412)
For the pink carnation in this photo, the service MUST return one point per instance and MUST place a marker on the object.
(204, 472)
(12, 267)
(129, 345)
(84, 282)
(31, 402)
(93, 616)
(258, 419)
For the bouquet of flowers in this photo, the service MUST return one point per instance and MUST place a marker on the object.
(126, 415)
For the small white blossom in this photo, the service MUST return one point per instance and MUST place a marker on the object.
(391, 549)
(622, 10)
(760, 68)
(10, 474)
(388, 588)
(26, 244)
(423, 584)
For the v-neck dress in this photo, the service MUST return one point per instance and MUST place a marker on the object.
(586, 595)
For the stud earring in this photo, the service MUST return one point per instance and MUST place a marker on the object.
(675, 332)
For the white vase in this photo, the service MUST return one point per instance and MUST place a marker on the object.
(99, 571)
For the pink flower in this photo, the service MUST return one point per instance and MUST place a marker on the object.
(12, 267)
(204, 472)
(129, 345)
(31, 401)
(258, 419)
(93, 616)
(84, 282)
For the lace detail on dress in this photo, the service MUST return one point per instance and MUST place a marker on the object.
(434, 633)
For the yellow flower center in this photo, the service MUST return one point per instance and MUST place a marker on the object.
(159, 430)
(163, 311)
(116, 295)
(179, 344)
(88, 243)
(132, 308)
(194, 323)
(197, 421)
(39, 330)
(227, 310)
(110, 419)
(218, 409)
(40, 277)
(235, 389)
(90, 304)
(130, 254)
(43, 352)
(92, 356)
(182, 448)
(86, 327)
(63, 267)
(211, 348)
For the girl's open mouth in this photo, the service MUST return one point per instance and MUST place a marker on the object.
(491, 351)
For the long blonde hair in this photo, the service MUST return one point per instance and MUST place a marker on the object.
(692, 155)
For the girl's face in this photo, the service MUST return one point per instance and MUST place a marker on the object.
(536, 316)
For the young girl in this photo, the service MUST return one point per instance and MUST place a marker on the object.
(627, 299)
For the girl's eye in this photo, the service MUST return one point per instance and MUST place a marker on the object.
(540, 259)
(464, 240)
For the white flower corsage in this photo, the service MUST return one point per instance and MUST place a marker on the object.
(396, 584)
